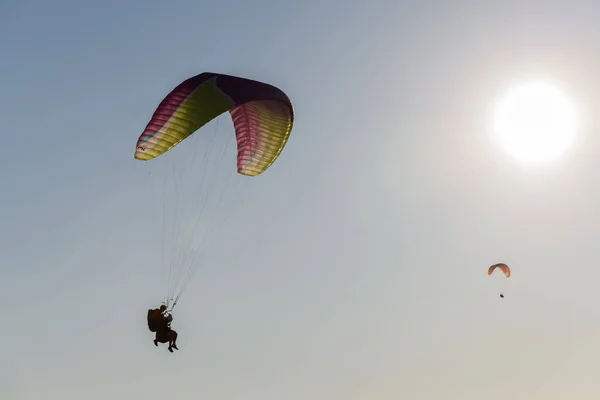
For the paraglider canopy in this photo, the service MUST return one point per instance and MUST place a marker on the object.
(262, 115)
(198, 196)
(502, 267)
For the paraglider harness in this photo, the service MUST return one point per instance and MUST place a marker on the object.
(154, 325)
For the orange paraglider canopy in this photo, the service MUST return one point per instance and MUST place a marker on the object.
(502, 267)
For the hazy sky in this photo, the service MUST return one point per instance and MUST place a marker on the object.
(356, 267)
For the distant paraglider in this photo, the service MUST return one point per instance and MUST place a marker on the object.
(502, 267)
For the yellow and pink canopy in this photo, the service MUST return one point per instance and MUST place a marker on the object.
(262, 116)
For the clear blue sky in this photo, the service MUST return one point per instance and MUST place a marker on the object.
(391, 202)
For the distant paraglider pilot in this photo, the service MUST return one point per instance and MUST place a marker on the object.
(161, 324)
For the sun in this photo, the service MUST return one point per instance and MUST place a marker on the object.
(535, 122)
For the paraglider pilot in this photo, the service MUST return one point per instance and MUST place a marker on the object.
(161, 324)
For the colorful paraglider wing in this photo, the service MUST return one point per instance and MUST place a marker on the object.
(502, 267)
(262, 115)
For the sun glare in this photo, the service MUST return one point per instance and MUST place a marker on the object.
(535, 122)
